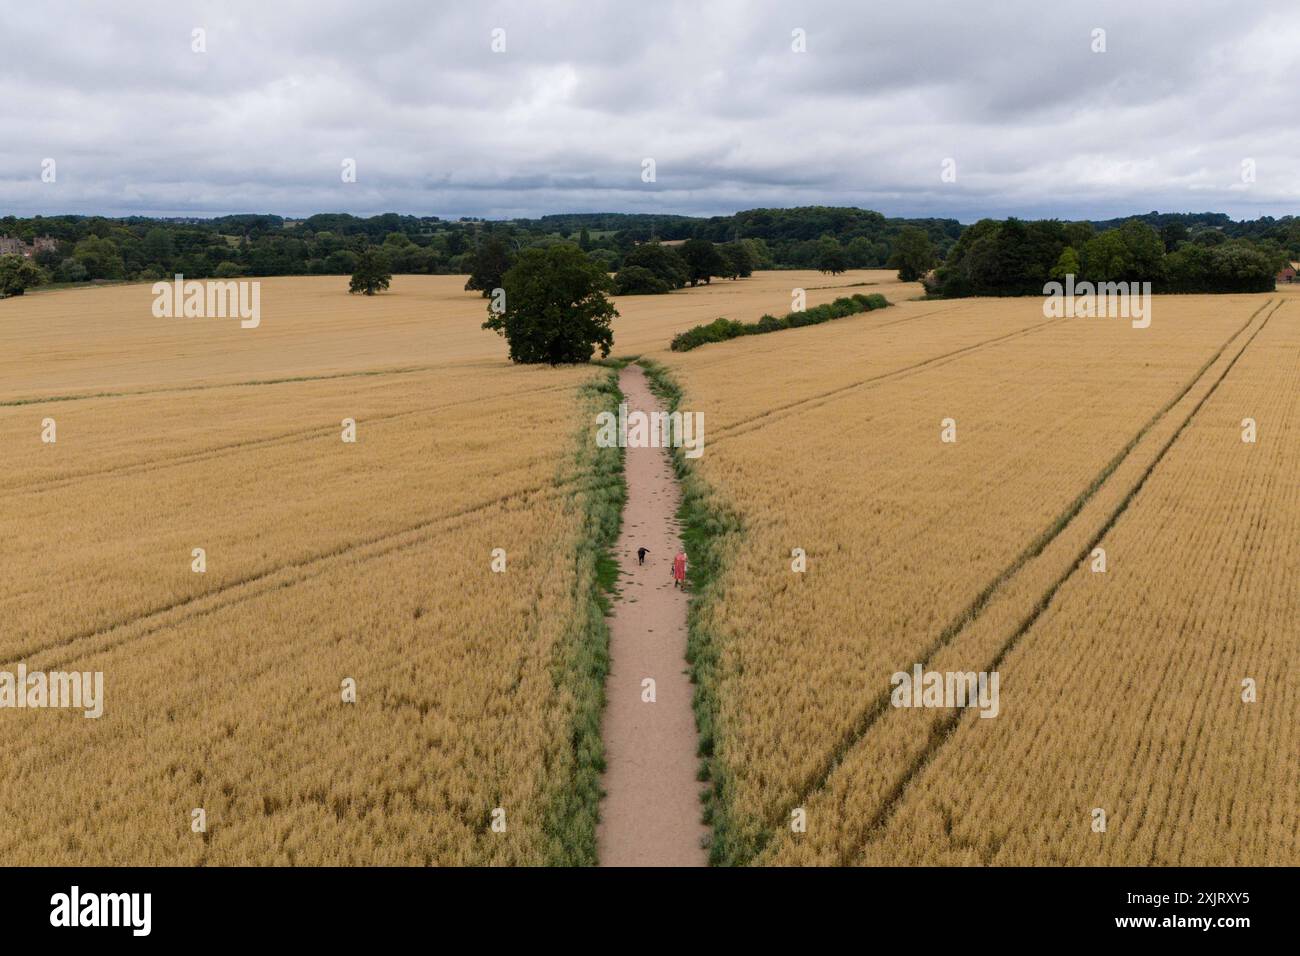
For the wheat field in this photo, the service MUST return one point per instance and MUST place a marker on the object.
(1120, 691)
(328, 560)
(325, 561)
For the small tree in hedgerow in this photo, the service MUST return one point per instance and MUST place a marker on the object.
(554, 310)
(373, 273)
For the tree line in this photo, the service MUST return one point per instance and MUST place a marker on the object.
(1016, 257)
(1201, 252)
(136, 248)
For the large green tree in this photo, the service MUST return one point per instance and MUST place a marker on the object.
(831, 258)
(913, 254)
(1106, 258)
(373, 273)
(1066, 265)
(17, 275)
(638, 280)
(487, 264)
(661, 260)
(740, 261)
(555, 310)
(703, 261)
(101, 258)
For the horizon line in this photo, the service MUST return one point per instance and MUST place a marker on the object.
(209, 217)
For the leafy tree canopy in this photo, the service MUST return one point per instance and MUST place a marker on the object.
(913, 255)
(17, 275)
(555, 310)
(373, 273)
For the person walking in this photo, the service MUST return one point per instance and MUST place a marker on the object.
(640, 555)
(679, 570)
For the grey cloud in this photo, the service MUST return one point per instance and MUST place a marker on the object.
(439, 124)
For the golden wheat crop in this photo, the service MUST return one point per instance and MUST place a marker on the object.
(325, 561)
(1126, 695)
(86, 341)
(918, 551)
(370, 560)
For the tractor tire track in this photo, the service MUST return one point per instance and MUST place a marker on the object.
(220, 451)
(199, 604)
(868, 717)
(170, 389)
(816, 401)
(942, 731)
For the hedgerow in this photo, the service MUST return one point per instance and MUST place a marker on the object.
(721, 329)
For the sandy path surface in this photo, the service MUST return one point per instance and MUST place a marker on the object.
(650, 815)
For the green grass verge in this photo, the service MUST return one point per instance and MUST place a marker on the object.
(582, 659)
(710, 532)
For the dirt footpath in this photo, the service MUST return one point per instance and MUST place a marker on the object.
(650, 815)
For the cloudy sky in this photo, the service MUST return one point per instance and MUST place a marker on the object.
(1192, 107)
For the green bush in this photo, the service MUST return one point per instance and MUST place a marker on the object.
(719, 330)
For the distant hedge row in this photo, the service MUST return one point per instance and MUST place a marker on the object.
(719, 330)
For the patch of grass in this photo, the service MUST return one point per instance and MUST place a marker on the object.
(710, 532)
(582, 660)
(606, 579)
